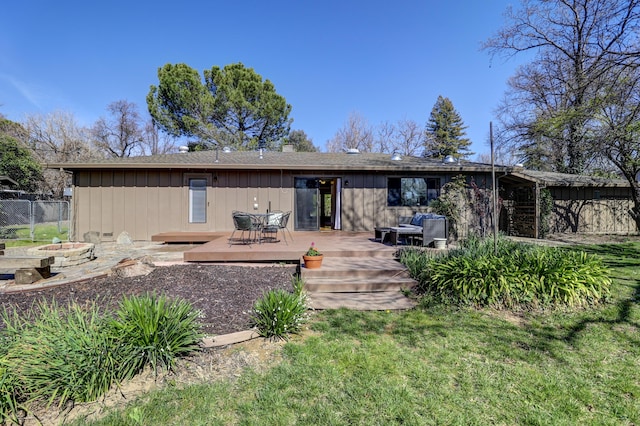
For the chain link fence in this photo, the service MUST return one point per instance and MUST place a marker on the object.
(34, 220)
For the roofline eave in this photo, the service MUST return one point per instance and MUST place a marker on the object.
(222, 166)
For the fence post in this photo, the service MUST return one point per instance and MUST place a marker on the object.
(32, 220)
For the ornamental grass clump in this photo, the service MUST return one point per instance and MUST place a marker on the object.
(519, 275)
(155, 331)
(10, 400)
(279, 312)
(77, 353)
(59, 354)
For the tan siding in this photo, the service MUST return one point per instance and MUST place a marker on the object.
(153, 200)
(349, 208)
(141, 206)
(118, 203)
(106, 201)
(95, 206)
(82, 196)
(177, 209)
(144, 203)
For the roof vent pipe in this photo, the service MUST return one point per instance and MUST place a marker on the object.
(449, 159)
(395, 156)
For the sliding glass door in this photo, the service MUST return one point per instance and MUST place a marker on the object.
(317, 203)
(306, 199)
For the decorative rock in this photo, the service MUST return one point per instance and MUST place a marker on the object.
(91, 237)
(124, 238)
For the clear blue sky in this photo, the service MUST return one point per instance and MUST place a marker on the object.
(386, 60)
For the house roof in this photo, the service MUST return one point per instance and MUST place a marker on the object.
(564, 179)
(274, 161)
(252, 160)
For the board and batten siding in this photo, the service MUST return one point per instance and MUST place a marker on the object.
(364, 199)
(142, 203)
(592, 210)
(146, 202)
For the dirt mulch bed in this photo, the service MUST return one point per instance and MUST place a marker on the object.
(224, 294)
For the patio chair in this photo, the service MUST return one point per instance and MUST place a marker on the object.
(277, 222)
(245, 223)
(272, 226)
(283, 226)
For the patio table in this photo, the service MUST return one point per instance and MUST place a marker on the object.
(410, 233)
(381, 234)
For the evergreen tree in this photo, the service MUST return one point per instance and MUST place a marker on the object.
(233, 106)
(17, 162)
(301, 142)
(444, 134)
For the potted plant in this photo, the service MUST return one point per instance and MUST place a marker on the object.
(312, 258)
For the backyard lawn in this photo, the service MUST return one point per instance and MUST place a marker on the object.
(436, 366)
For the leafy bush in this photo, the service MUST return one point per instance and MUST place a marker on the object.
(77, 354)
(518, 275)
(154, 331)
(415, 259)
(10, 402)
(65, 354)
(280, 312)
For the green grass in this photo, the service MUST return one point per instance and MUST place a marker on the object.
(20, 236)
(456, 366)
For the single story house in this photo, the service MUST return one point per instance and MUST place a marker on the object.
(352, 191)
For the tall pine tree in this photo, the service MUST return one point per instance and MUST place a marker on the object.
(445, 131)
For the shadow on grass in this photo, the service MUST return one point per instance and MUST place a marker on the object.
(623, 259)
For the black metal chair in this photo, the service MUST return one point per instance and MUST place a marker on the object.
(245, 223)
(283, 226)
(277, 222)
(272, 225)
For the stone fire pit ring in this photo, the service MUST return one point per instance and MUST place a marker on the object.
(65, 254)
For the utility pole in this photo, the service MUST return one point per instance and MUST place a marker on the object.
(495, 192)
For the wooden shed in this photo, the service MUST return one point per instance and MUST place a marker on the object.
(577, 203)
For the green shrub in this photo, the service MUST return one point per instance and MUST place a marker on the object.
(518, 275)
(10, 401)
(154, 331)
(279, 312)
(64, 354)
(414, 259)
(77, 354)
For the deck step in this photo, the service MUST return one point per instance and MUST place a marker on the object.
(350, 267)
(363, 283)
(380, 301)
(357, 284)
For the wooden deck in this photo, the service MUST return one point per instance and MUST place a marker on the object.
(330, 244)
(358, 272)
